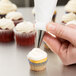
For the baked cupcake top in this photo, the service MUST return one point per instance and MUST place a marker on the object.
(6, 24)
(72, 22)
(14, 15)
(71, 6)
(68, 17)
(25, 27)
(37, 54)
(6, 6)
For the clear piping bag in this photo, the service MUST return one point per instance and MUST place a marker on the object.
(44, 10)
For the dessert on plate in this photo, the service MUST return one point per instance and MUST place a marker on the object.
(6, 30)
(37, 59)
(16, 17)
(25, 34)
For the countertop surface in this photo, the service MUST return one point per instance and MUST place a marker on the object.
(13, 60)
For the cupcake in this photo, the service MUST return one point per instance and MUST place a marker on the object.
(6, 30)
(25, 34)
(5, 7)
(71, 6)
(37, 59)
(16, 17)
(68, 17)
(72, 22)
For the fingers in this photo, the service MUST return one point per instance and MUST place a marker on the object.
(71, 26)
(56, 46)
(63, 53)
(63, 32)
(63, 50)
(67, 53)
(53, 43)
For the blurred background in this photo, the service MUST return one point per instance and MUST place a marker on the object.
(30, 3)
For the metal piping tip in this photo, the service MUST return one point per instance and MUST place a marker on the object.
(39, 38)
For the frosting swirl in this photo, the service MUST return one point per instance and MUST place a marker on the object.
(6, 23)
(6, 6)
(68, 17)
(26, 27)
(37, 54)
(14, 15)
(72, 22)
(71, 6)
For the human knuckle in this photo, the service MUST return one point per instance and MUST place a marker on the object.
(59, 31)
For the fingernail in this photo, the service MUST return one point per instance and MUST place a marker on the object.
(51, 27)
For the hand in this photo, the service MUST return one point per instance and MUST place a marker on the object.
(64, 44)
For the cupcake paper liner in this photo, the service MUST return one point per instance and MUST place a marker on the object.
(6, 35)
(24, 39)
(38, 66)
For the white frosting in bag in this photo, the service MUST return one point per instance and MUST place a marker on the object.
(44, 10)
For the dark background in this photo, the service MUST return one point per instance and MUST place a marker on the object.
(60, 2)
(30, 3)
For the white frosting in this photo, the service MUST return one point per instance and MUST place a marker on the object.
(24, 27)
(14, 15)
(44, 10)
(6, 6)
(6, 23)
(69, 17)
(33, 11)
(72, 22)
(37, 54)
(71, 6)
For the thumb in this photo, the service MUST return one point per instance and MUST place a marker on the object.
(63, 32)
